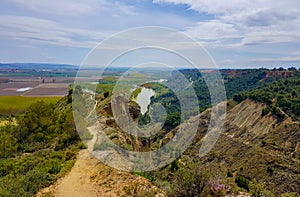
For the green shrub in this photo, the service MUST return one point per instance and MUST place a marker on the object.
(270, 170)
(36, 151)
(229, 173)
(265, 111)
(259, 190)
(140, 190)
(290, 194)
(242, 182)
(174, 166)
(189, 182)
(82, 145)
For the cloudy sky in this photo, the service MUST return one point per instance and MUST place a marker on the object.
(237, 33)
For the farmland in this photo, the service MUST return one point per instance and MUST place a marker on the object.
(18, 93)
(16, 104)
(23, 84)
(34, 86)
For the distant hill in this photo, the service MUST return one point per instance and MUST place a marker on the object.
(37, 66)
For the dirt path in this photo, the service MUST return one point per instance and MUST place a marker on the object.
(89, 178)
(92, 142)
(77, 182)
(94, 108)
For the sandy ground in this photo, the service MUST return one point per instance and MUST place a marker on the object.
(89, 178)
(77, 181)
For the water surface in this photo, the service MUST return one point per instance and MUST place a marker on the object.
(24, 89)
(143, 99)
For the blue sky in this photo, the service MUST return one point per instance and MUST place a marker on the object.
(237, 33)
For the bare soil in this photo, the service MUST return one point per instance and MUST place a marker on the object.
(90, 178)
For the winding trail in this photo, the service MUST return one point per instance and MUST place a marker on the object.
(89, 178)
(92, 142)
(94, 108)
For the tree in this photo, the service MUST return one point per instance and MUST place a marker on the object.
(8, 144)
(292, 69)
(173, 120)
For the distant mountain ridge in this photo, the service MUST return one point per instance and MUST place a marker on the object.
(38, 66)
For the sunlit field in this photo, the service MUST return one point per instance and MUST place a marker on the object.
(11, 105)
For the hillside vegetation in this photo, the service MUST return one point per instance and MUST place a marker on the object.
(281, 96)
(235, 82)
(38, 149)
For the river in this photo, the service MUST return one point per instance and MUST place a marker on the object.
(144, 99)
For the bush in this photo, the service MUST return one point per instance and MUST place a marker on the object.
(189, 182)
(174, 166)
(82, 145)
(242, 182)
(229, 173)
(259, 190)
(8, 144)
(276, 112)
(265, 111)
(140, 190)
(290, 194)
(36, 151)
(270, 170)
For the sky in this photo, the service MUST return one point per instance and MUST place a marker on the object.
(236, 33)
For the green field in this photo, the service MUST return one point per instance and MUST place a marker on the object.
(11, 105)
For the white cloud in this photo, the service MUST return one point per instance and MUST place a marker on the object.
(244, 28)
(47, 31)
(211, 6)
(248, 22)
(65, 7)
(73, 7)
(297, 53)
(213, 32)
(229, 7)
(280, 59)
